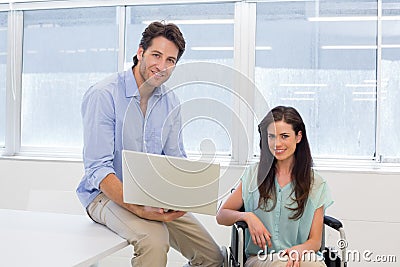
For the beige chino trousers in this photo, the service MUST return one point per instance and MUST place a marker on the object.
(152, 239)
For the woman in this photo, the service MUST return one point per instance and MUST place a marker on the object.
(284, 199)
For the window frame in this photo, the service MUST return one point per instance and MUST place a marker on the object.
(244, 61)
(4, 11)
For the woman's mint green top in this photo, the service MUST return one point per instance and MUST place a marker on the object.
(285, 232)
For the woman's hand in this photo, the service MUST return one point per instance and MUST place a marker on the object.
(259, 234)
(295, 255)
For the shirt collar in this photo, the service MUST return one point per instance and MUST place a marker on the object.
(286, 187)
(131, 89)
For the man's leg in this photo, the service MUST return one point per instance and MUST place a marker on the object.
(187, 235)
(149, 238)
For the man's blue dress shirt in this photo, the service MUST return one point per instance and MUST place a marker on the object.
(113, 121)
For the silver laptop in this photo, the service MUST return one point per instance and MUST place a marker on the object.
(170, 182)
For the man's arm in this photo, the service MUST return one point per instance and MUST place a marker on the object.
(174, 141)
(111, 186)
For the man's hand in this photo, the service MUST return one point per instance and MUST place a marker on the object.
(112, 188)
(158, 214)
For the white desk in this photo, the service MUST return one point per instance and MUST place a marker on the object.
(49, 239)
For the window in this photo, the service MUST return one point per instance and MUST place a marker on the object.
(337, 62)
(320, 57)
(390, 81)
(64, 52)
(3, 68)
(208, 31)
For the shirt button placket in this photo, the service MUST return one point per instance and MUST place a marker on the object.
(278, 213)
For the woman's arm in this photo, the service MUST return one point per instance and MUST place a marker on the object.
(313, 242)
(229, 213)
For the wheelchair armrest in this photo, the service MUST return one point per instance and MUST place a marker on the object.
(328, 220)
(238, 255)
(332, 222)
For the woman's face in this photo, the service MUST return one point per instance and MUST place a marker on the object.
(282, 140)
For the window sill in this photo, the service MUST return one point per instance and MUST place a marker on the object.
(347, 165)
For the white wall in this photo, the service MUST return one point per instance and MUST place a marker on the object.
(365, 202)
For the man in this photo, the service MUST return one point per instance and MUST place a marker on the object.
(157, 123)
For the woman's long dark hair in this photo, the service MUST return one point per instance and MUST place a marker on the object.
(302, 175)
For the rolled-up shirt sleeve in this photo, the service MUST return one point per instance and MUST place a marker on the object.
(98, 115)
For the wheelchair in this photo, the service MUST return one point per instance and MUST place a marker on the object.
(237, 256)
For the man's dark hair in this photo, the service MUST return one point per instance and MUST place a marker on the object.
(169, 31)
